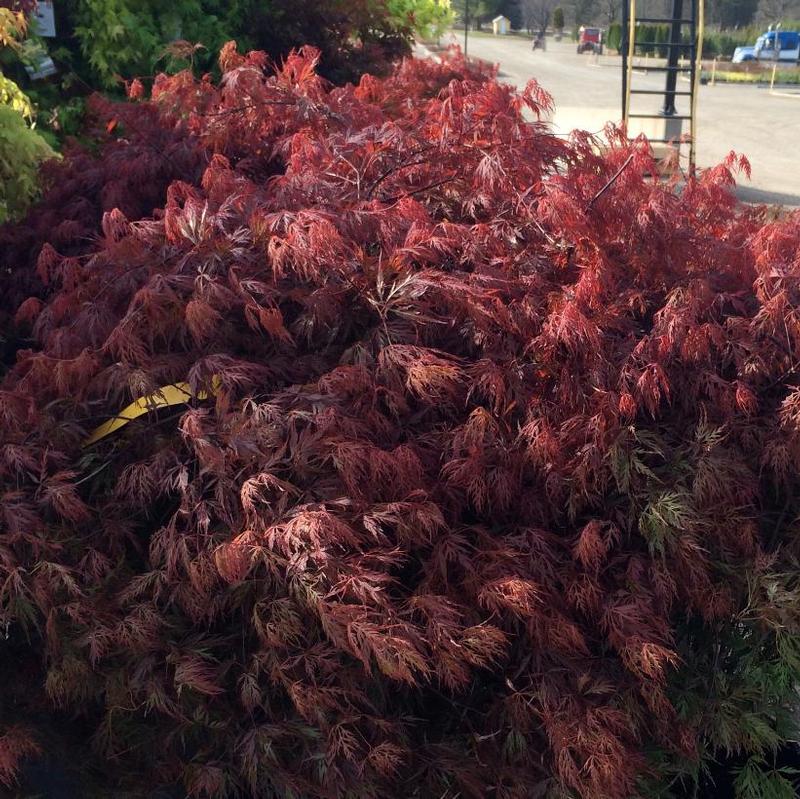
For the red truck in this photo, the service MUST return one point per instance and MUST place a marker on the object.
(590, 40)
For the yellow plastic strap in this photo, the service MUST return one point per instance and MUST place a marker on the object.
(174, 394)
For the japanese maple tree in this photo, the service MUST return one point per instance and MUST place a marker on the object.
(485, 483)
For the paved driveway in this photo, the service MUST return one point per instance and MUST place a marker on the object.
(747, 119)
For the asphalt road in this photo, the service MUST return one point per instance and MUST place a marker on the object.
(762, 126)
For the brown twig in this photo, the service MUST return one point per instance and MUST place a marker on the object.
(610, 182)
(243, 108)
(391, 171)
(417, 191)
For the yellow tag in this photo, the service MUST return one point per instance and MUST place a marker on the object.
(174, 394)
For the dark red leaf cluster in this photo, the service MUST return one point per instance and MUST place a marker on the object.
(483, 434)
(137, 151)
(353, 36)
(25, 6)
(134, 157)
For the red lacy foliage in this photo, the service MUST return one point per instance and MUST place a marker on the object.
(463, 475)
(138, 151)
(135, 156)
(16, 744)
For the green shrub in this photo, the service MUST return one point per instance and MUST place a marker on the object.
(614, 36)
(21, 148)
(125, 38)
(100, 42)
(662, 33)
(21, 152)
(757, 76)
(646, 36)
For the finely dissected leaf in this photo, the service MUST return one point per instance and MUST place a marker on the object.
(476, 481)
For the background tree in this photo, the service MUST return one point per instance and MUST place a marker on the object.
(731, 13)
(769, 12)
(611, 11)
(99, 42)
(480, 11)
(537, 13)
(584, 12)
(511, 9)
(558, 19)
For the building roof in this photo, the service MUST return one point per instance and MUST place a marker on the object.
(497, 19)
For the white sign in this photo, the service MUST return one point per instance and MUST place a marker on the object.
(44, 19)
(44, 69)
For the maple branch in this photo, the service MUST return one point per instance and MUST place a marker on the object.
(395, 197)
(95, 472)
(408, 162)
(247, 107)
(610, 183)
(389, 172)
(788, 373)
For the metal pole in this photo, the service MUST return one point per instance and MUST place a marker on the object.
(624, 49)
(466, 25)
(698, 30)
(631, 50)
(776, 54)
(672, 62)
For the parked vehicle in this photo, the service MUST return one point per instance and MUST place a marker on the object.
(764, 48)
(590, 40)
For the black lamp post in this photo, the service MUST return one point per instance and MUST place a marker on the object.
(672, 62)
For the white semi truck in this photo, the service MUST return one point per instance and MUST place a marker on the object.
(788, 43)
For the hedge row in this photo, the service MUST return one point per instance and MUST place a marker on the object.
(715, 43)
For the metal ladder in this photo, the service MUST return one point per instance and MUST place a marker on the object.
(676, 47)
